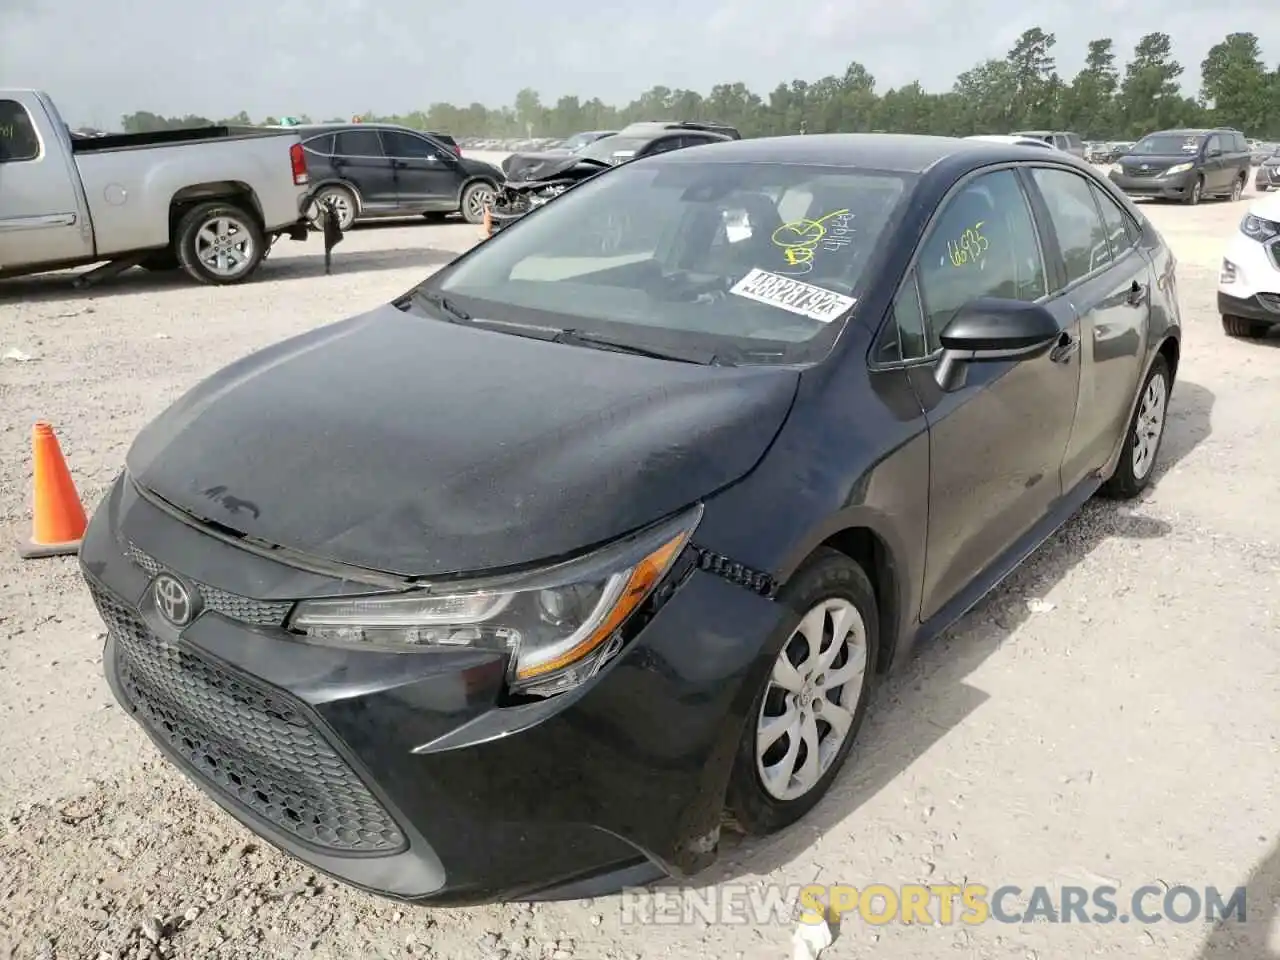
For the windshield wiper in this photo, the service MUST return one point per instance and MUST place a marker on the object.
(583, 338)
(450, 310)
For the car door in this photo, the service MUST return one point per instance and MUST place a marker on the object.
(40, 213)
(359, 159)
(1217, 176)
(426, 178)
(1108, 281)
(996, 442)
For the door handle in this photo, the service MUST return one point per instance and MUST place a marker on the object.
(1137, 294)
(1065, 348)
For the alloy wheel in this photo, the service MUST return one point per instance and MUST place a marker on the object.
(809, 705)
(225, 246)
(1149, 426)
(478, 200)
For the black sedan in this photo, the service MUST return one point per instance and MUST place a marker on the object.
(524, 584)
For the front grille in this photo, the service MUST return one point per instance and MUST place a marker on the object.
(249, 744)
(262, 613)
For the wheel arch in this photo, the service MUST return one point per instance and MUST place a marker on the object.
(869, 544)
(232, 191)
(345, 185)
(471, 180)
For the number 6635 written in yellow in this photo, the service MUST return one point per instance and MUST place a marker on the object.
(970, 246)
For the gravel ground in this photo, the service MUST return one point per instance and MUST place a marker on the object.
(1110, 715)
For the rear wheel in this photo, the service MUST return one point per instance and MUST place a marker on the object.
(343, 202)
(1142, 442)
(219, 243)
(1243, 327)
(805, 718)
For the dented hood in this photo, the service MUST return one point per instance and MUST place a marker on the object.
(537, 167)
(405, 444)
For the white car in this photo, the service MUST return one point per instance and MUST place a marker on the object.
(1010, 138)
(1249, 283)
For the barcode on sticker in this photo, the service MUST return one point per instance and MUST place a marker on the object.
(795, 296)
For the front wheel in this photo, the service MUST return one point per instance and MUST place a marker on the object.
(219, 243)
(1142, 442)
(805, 718)
(477, 198)
(1197, 191)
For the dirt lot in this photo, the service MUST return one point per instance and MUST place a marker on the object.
(1120, 729)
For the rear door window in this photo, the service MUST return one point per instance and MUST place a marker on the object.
(18, 139)
(406, 146)
(358, 143)
(1082, 235)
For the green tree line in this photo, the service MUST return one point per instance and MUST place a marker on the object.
(1105, 100)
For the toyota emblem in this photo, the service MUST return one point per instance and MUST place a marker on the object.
(173, 600)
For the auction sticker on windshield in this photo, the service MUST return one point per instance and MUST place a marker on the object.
(792, 295)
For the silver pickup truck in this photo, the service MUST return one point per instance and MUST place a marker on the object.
(209, 201)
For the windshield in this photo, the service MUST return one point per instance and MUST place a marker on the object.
(579, 140)
(1168, 145)
(604, 148)
(754, 259)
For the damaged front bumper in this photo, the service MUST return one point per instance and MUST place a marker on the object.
(515, 199)
(403, 774)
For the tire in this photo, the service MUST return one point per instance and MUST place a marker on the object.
(346, 202)
(826, 578)
(1133, 473)
(474, 200)
(1261, 188)
(1237, 188)
(1244, 328)
(200, 233)
(1197, 192)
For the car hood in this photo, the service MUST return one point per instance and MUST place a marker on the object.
(405, 444)
(1155, 161)
(530, 167)
(1266, 206)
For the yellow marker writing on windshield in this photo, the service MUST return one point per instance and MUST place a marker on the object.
(799, 238)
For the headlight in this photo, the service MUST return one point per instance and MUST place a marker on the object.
(1177, 168)
(1256, 228)
(558, 625)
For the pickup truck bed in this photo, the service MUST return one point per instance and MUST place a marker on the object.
(210, 199)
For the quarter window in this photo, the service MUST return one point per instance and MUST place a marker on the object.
(984, 244)
(322, 144)
(18, 140)
(1119, 234)
(1082, 236)
(358, 143)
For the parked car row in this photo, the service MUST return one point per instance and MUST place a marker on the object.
(1186, 165)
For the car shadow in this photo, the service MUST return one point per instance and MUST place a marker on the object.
(417, 220)
(1231, 939)
(58, 286)
(929, 697)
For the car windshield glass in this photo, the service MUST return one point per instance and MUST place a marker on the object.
(605, 148)
(577, 140)
(1168, 144)
(757, 259)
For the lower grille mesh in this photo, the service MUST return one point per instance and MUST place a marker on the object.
(248, 744)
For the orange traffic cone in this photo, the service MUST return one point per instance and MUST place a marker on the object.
(486, 230)
(59, 520)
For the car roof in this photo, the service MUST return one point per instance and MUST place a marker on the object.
(896, 152)
(1011, 138)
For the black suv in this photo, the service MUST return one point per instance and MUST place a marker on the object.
(1185, 165)
(369, 170)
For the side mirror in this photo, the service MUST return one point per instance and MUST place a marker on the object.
(993, 329)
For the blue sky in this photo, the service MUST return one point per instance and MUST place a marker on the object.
(339, 57)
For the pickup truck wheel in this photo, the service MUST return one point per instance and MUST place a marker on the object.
(219, 243)
(475, 200)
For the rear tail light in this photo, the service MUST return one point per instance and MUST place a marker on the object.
(298, 161)
(457, 149)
